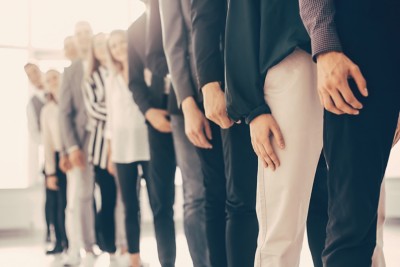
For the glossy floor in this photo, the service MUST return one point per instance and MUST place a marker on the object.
(26, 249)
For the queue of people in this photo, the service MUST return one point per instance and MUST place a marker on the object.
(230, 92)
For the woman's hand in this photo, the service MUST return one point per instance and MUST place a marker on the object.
(262, 129)
(51, 183)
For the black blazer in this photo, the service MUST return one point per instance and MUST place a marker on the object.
(145, 51)
(259, 34)
(208, 30)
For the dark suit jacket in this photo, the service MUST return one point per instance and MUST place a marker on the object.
(208, 30)
(145, 50)
(259, 34)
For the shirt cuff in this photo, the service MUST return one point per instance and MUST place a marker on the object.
(263, 109)
(325, 40)
(72, 149)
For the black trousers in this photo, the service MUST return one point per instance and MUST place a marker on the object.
(318, 213)
(129, 180)
(50, 209)
(60, 204)
(105, 220)
(161, 190)
(357, 147)
(230, 178)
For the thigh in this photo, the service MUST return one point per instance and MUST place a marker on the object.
(188, 161)
(127, 176)
(160, 182)
(213, 167)
(241, 162)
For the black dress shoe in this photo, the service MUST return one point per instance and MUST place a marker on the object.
(56, 250)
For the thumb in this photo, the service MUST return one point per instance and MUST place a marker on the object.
(355, 72)
(207, 129)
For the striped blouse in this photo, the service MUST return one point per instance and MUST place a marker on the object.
(95, 103)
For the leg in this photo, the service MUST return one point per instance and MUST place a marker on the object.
(73, 221)
(127, 176)
(283, 195)
(193, 193)
(62, 204)
(86, 201)
(318, 213)
(357, 147)
(378, 259)
(121, 241)
(161, 190)
(241, 196)
(213, 168)
(108, 191)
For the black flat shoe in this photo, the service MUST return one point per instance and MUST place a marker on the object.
(56, 250)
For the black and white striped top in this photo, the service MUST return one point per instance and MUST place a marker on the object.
(95, 103)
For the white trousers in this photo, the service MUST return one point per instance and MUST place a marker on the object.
(80, 210)
(283, 195)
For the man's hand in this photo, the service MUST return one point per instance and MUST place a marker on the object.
(158, 119)
(197, 127)
(334, 70)
(262, 129)
(51, 183)
(65, 165)
(215, 105)
(77, 159)
(397, 134)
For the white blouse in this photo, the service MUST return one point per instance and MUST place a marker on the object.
(125, 126)
(51, 136)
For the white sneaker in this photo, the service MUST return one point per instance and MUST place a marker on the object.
(89, 260)
(71, 259)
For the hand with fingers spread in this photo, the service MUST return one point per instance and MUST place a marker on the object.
(158, 119)
(397, 134)
(197, 127)
(264, 130)
(215, 105)
(334, 70)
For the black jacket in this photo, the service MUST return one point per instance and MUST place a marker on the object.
(145, 50)
(208, 30)
(259, 34)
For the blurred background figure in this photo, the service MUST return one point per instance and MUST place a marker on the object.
(70, 50)
(127, 135)
(56, 180)
(95, 102)
(74, 131)
(34, 109)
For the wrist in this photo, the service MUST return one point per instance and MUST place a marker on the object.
(211, 87)
(188, 104)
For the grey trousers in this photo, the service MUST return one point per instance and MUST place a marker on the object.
(193, 193)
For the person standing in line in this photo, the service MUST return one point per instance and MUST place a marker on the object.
(176, 32)
(95, 102)
(231, 165)
(153, 99)
(128, 138)
(74, 131)
(56, 179)
(34, 108)
(355, 51)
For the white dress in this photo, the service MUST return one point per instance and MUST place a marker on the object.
(126, 126)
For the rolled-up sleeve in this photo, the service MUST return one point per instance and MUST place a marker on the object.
(319, 19)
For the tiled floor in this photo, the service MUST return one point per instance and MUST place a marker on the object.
(25, 249)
